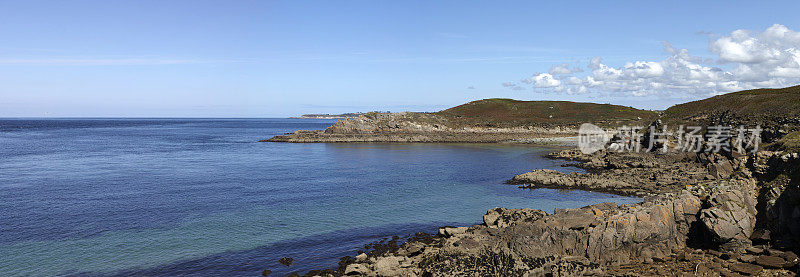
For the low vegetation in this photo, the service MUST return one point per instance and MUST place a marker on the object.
(749, 106)
(498, 112)
(776, 111)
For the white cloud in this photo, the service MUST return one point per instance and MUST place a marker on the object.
(744, 59)
(643, 69)
(513, 86)
(544, 80)
(563, 69)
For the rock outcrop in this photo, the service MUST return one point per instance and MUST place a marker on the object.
(638, 174)
(419, 127)
(588, 240)
(730, 216)
(548, 178)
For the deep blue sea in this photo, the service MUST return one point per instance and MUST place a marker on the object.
(201, 197)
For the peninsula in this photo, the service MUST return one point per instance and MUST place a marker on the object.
(488, 120)
(330, 116)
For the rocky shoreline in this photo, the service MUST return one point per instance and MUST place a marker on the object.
(705, 215)
(417, 127)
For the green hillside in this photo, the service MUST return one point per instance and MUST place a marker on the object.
(749, 106)
(777, 111)
(499, 112)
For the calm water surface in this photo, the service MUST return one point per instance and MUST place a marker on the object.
(200, 197)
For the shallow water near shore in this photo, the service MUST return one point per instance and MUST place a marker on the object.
(201, 197)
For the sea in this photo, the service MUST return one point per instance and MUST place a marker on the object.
(202, 197)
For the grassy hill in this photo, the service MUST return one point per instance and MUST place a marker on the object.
(749, 106)
(776, 110)
(498, 112)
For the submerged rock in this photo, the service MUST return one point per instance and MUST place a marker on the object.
(286, 261)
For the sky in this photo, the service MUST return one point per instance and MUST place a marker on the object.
(286, 58)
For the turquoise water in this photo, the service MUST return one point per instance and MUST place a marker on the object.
(200, 197)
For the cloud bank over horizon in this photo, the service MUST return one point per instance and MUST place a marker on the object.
(742, 60)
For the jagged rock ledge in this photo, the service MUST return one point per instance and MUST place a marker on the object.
(632, 174)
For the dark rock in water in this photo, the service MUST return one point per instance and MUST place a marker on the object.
(266, 272)
(748, 269)
(286, 261)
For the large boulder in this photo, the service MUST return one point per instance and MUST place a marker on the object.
(731, 214)
(566, 243)
(606, 234)
(548, 178)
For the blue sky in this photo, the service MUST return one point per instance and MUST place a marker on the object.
(284, 58)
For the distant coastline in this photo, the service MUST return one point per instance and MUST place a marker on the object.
(329, 116)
